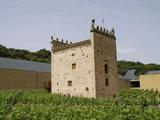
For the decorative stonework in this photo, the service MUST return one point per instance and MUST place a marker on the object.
(61, 45)
(58, 41)
(102, 30)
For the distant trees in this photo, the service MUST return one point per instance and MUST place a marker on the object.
(124, 66)
(41, 55)
(44, 56)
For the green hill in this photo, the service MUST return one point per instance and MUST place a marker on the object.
(41, 55)
(44, 56)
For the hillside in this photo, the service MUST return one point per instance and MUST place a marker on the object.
(44, 55)
(124, 66)
(41, 55)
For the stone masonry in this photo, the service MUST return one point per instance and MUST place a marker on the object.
(87, 68)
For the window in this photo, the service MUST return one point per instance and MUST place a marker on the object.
(73, 54)
(57, 83)
(106, 68)
(74, 66)
(69, 83)
(106, 82)
(87, 89)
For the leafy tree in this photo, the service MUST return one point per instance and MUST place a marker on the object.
(124, 66)
(41, 55)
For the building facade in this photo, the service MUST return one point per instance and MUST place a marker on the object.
(21, 74)
(129, 80)
(151, 80)
(87, 68)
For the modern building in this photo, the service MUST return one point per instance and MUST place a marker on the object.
(21, 74)
(129, 80)
(151, 80)
(87, 68)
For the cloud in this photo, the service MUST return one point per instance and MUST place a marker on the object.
(126, 51)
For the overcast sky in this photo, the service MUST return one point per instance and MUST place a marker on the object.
(28, 24)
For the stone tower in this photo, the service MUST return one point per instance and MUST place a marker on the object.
(87, 68)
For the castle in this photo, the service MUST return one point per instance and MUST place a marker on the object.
(87, 68)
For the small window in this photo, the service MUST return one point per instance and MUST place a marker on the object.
(106, 82)
(87, 89)
(106, 68)
(74, 66)
(57, 83)
(114, 95)
(69, 83)
(73, 54)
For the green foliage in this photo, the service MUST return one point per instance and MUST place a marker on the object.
(124, 66)
(39, 105)
(42, 55)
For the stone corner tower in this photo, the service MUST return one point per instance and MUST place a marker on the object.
(105, 60)
(87, 68)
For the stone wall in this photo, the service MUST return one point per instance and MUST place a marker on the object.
(105, 54)
(73, 70)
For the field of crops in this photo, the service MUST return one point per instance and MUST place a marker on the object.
(40, 105)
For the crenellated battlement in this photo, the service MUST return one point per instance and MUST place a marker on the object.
(61, 45)
(101, 30)
(58, 43)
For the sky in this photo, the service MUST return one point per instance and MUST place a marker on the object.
(29, 24)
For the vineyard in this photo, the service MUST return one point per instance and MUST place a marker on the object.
(130, 104)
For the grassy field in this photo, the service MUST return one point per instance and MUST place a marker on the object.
(40, 105)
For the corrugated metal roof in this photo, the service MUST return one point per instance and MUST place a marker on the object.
(153, 72)
(24, 65)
